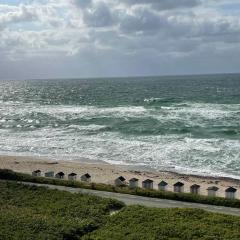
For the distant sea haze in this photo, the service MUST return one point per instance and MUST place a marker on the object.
(187, 124)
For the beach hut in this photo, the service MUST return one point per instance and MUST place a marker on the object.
(212, 191)
(133, 183)
(148, 184)
(230, 193)
(49, 174)
(36, 173)
(120, 181)
(178, 187)
(60, 175)
(195, 189)
(162, 186)
(72, 176)
(86, 177)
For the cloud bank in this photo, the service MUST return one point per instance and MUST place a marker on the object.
(95, 38)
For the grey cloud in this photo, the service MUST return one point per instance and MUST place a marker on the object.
(166, 4)
(98, 16)
(218, 28)
(82, 3)
(147, 21)
(138, 43)
(178, 25)
(141, 20)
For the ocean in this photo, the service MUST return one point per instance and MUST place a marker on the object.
(187, 124)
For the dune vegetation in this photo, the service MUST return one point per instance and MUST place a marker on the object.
(186, 197)
(39, 213)
(142, 223)
(30, 212)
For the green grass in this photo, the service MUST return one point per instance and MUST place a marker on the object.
(38, 213)
(187, 197)
(141, 223)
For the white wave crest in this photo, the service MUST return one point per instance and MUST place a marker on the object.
(90, 127)
(214, 156)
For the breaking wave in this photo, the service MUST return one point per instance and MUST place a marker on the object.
(139, 126)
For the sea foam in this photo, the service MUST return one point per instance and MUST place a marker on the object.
(185, 125)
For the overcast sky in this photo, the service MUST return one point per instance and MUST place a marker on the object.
(96, 38)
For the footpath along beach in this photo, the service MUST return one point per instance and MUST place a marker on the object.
(102, 172)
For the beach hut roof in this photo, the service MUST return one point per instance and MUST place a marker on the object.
(72, 174)
(133, 180)
(148, 181)
(195, 186)
(213, 188)
(163, 183)
(87, 175)
(121, 178)
(231, 189)
(178, 184)
(37, 171)
(60, 173)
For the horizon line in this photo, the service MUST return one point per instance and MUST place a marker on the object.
(122, 77)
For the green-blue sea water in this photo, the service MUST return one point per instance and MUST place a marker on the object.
(187, 124)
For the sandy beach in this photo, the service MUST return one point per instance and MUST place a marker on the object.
(105, 173)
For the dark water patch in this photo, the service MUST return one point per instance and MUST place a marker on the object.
(115, 92)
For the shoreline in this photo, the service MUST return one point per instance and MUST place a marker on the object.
(103, 172)
(130, 167)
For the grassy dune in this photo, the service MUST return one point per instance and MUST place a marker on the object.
(137, 222)
(38, 213)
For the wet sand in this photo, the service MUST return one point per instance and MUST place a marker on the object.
(102, 172)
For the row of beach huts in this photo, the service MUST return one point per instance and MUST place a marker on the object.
(178, 187)
(61, 175)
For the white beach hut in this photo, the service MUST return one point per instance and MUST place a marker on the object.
(230, 193)
(36, 173)
(147, 184)
(120, 181)
(162, 186)
(178, 187)
(72, 176)
(60, 175)
(195, 189)
(133, 183)
(86, 177)
(212, 191)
